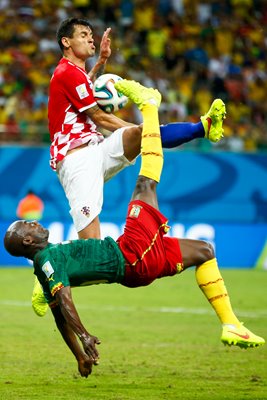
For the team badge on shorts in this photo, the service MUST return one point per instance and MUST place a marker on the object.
(86, 211)
(135, 211)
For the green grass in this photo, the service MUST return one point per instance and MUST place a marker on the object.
(161, 342)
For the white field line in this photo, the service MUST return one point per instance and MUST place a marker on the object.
(127, 309)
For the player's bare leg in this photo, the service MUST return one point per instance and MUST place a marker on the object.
(131, 139)
(91, 231)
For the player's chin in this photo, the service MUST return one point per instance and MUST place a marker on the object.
(91, 52)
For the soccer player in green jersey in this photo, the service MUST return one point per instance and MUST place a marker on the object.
(139, 256)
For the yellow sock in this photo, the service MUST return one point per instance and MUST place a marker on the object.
(211, 283)
(151, 147)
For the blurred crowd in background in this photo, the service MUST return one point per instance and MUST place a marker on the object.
(192, 50)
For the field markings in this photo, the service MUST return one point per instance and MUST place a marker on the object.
(127, 309)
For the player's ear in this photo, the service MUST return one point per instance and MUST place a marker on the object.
(65, 41)
(27, 240)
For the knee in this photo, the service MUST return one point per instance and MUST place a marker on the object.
(135, 132)
(132, 142)
(207, 251)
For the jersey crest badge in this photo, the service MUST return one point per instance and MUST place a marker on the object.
(47, 269)
(86, 211)
(135, 211)
(82, 91)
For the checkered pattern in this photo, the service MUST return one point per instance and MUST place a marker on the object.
(69, 96)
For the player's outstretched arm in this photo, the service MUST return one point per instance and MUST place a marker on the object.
(72, 318)
(104, 54)
(104, 120)
(85, 362)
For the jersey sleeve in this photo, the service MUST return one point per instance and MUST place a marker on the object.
(53, 277)
(79, 89)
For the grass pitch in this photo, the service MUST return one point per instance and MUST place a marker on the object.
(158, 343)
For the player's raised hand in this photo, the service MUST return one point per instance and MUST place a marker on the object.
(105, 50)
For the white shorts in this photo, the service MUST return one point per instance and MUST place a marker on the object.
(83, 173)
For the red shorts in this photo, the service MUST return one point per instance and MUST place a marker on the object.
(148, 253)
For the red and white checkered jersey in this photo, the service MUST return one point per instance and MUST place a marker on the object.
(70, 94)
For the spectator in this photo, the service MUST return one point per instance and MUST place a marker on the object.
(185, 43)
(31, 207)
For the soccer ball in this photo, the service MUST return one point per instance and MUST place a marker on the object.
(106, 95)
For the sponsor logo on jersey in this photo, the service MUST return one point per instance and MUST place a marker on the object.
(47, 269)
(82, 91)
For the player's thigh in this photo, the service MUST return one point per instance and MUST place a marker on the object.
(113, 154)
(132, 142)
(81, 175)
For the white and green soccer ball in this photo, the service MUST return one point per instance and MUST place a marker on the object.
(105, 94)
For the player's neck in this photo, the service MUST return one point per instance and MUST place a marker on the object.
(75, 60)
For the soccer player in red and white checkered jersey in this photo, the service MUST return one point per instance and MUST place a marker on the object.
(74, 118)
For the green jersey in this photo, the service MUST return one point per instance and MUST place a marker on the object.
(78, 263)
